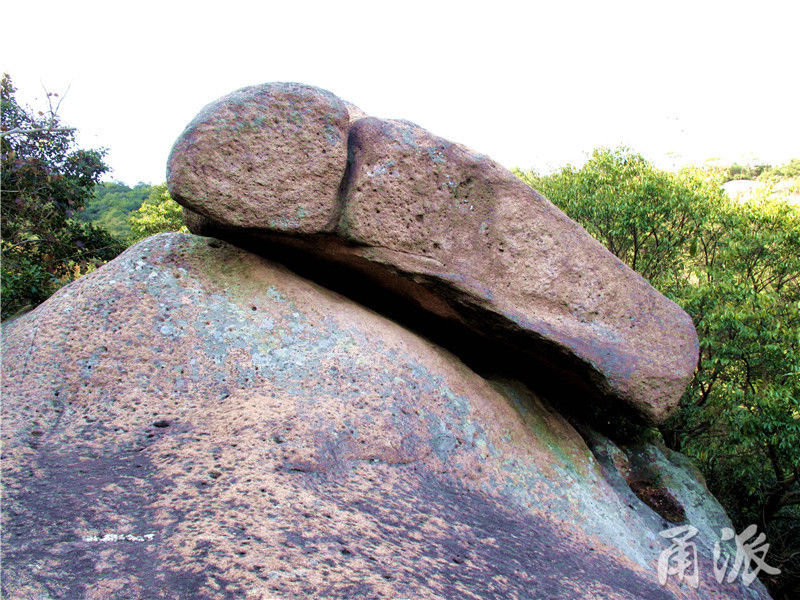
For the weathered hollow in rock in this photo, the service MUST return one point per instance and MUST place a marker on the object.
(494, 351)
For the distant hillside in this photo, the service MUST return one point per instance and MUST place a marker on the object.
(112, 203)
(765, 173)
(744, 183)
(781, 189)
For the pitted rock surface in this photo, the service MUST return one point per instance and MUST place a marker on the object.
(248, 156)
(193, 421)
(449, 229)
(439, 212)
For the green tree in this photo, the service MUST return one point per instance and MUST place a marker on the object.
(789, 170)
(735, 268)
(158, 214)
(111, 205)
(45, 183)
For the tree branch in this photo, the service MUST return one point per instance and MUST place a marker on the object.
(18, 130)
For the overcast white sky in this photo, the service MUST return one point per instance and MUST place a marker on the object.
(532, 84)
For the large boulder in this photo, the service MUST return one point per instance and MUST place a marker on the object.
(449, 230)
(248, 156)
(456, 221)
(194, 421)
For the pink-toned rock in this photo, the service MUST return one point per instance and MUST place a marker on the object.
(354, 113)
(193, 421)
(452, 220)
(446, 228)
(267, 156)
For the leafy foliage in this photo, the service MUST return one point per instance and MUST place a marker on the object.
(158, 214)
(735, 268)
(45, 182)
(111, 205)
(737, 171)
(790, 169)
(760, 172)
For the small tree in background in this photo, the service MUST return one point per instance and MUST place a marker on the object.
(159, 213)
(45, 183)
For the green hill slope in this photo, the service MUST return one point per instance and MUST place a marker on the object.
(112, 203)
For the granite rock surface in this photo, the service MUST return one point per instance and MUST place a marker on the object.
(194, 421)
(443, 227)
(248, 156)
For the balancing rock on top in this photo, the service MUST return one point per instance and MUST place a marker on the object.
(443, 226)
(252, 154)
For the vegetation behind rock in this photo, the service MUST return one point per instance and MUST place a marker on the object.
(46, 181)
(735, 268)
